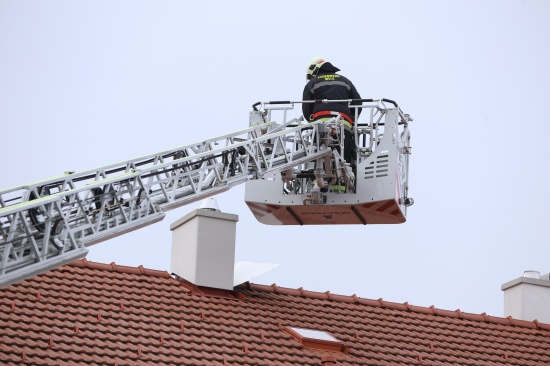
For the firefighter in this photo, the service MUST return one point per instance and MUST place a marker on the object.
(325, 83)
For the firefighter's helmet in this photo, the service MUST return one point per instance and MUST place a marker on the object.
(314, 66)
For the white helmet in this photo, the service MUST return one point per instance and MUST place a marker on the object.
(314, 66)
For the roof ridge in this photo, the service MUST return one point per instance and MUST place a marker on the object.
(113, 267)
(432, 310)
(381, 303)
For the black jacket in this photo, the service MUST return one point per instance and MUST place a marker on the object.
(329, 85)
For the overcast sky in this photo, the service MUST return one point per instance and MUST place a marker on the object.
(89, 83)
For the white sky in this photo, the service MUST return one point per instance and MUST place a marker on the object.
(89, 83)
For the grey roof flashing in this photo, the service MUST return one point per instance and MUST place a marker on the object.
(543, 281)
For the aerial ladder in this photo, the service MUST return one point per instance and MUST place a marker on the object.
(293, 170)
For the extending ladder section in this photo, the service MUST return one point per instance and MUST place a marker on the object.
(49, 223)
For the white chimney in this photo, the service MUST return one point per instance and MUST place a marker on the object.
(203, 246)
(528, 297)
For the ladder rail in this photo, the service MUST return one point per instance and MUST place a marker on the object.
(127, 166)
(47, 223)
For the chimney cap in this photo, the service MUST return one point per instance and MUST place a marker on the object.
(210, 204)
(531, 274)
(529, 277)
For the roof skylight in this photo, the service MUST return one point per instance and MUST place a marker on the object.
(315, 339)
(314, 334)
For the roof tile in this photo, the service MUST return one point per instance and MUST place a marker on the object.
(91, 313)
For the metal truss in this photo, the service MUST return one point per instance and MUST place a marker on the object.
(49, 223)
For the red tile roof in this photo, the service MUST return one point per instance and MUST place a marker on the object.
(99, 314)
